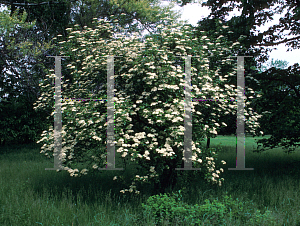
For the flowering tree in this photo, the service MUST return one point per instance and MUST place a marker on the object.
(149, 102)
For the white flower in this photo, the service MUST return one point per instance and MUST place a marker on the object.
(84, 171)
(96, 138)
(165, 57)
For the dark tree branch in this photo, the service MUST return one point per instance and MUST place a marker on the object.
(277, 43)
(27, 4)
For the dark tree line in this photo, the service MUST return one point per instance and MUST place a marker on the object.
(278, 106)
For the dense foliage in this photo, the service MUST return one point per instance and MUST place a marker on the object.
(150, 107)
(19, 123)
(166, 208)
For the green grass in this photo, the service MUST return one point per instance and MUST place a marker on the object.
(30, 195)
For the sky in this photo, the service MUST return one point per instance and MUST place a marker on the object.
(193, 12)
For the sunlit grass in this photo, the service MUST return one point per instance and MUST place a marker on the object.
(30, 195)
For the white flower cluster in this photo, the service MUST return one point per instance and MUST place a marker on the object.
(152, 97)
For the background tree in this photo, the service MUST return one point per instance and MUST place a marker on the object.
(279, 105)
(281, 64)
(257, 13)
(257, 44)
(22, 69)
(19, 122)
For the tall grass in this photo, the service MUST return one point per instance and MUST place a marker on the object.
(30, 195)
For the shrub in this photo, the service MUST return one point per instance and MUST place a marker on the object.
(164, 206)
(170, 208)
(149, 101)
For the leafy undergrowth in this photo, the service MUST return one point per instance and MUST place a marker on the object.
(166, 209)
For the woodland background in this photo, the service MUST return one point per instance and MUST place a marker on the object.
(21, 45)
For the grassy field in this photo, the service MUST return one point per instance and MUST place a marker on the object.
(30, 195)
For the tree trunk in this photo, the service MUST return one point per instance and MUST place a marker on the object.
(12, 7)
(165, 181)
(169, 178)
(208, 142)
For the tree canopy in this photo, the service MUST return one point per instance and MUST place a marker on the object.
(277, 105)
